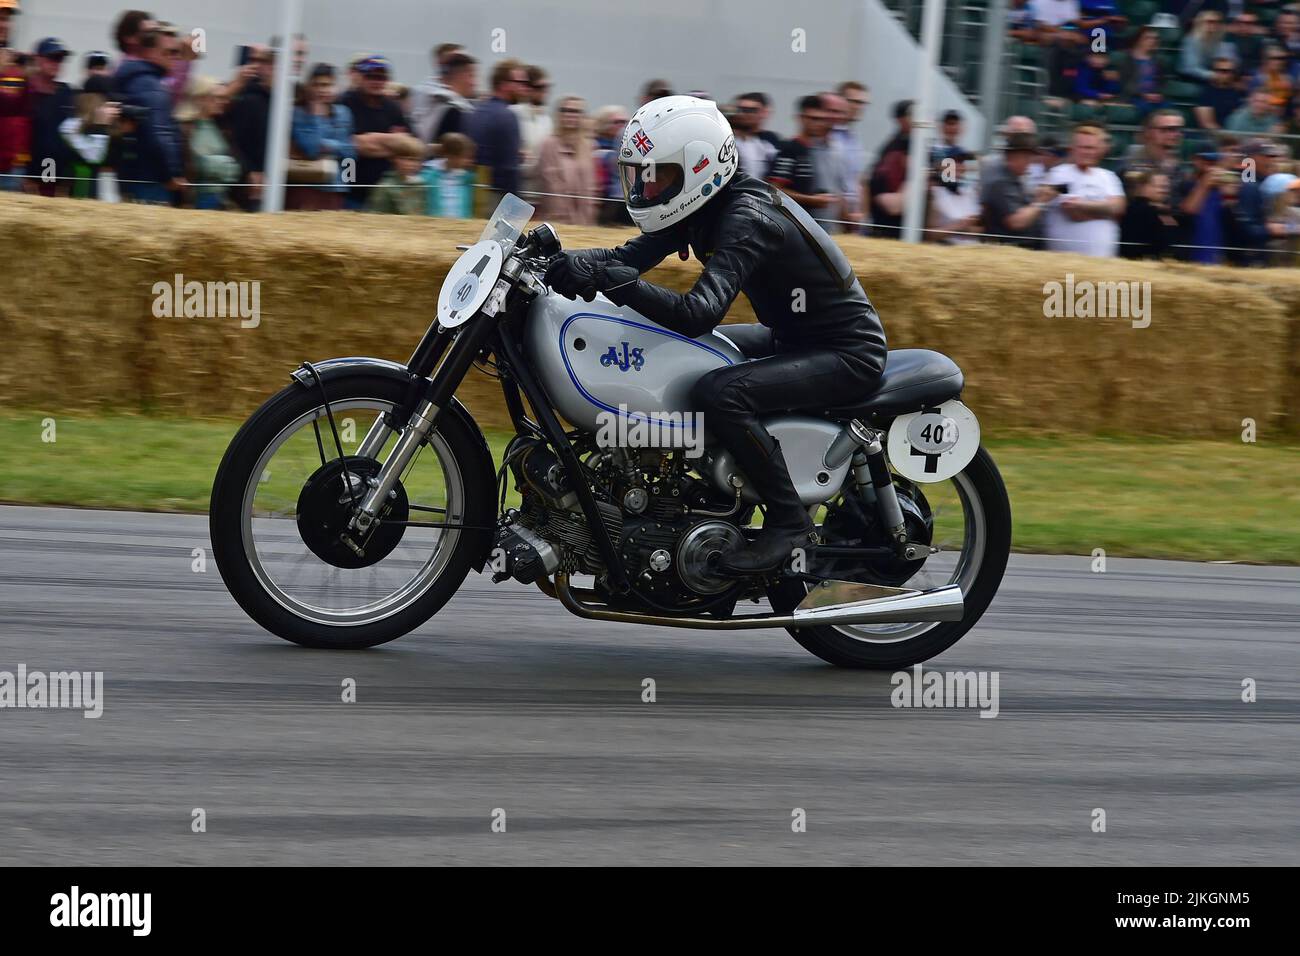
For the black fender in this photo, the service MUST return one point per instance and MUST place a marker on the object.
(481, 509)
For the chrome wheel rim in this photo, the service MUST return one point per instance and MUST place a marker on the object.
(958, 565)
(312, 589)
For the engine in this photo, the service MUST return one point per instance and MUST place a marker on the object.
(666, 523)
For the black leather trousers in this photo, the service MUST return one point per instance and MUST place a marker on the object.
(777, 378)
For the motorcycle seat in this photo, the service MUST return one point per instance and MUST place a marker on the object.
(913, 379)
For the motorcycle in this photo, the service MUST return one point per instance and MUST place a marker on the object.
(353, 504)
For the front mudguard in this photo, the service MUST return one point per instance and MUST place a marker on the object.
(480, 508)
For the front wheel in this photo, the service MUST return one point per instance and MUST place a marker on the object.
(969, 519)
(283, 494)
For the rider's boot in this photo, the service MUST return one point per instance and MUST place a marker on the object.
(786, 524)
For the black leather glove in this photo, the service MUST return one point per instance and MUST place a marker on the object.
(570, 274)
(574, 275)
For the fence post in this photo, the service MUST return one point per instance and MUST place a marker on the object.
(995, 41)
(918, 159)
(276, 165)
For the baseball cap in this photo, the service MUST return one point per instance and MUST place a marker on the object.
(99, 84)
(1278, 183)
(97, 58)
(1262, 147)
(940, 153)
(374, 64)
(52, 48)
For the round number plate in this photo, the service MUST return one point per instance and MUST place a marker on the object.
(469, 282)
(934, 444)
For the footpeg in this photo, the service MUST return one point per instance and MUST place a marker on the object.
(915, 550)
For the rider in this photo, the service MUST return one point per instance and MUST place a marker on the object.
(819, 341)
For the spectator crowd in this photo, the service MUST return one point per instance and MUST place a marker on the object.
(1180, 120)
(1173, 121)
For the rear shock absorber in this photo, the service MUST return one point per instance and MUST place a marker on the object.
(870, 474)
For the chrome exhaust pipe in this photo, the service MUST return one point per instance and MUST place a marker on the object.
(829, 603)
(846, 602)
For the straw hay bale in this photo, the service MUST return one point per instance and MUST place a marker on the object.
(79, 333)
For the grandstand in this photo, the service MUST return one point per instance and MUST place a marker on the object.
(1032, 83)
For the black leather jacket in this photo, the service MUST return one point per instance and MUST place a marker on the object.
(752, 238)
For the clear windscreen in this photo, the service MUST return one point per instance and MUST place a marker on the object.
(508, 222)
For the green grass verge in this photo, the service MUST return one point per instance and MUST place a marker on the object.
(1197, 500)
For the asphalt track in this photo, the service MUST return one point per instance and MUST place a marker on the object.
(1119, 691)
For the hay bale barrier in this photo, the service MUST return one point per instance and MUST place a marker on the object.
(79, 330)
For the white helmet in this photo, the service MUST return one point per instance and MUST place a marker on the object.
(677, 151)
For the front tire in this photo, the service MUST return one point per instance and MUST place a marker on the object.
(843, 648)
(232, 510)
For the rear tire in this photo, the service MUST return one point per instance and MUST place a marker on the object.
(226, 518)
(836, 647)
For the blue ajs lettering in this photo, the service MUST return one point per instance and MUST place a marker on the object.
(630, 359)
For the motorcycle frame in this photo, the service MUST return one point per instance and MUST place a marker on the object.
(436, 370)
(444, 359)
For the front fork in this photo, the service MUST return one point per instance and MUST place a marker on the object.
(408, 443)
(469, 340)
(376, 438)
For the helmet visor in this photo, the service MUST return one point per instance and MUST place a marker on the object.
(651, 184)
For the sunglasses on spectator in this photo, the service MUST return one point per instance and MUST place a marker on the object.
(859, 102)
(571, 110)
(749, 109)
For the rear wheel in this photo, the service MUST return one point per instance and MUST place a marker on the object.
(283, 494)
(969, 519)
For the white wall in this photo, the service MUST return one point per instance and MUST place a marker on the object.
(893, 64)
(601, 49)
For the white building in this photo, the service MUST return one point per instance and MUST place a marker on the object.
(599, 49)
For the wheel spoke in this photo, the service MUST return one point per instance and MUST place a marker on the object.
(343, 587)
(956, 521)
(320, 445)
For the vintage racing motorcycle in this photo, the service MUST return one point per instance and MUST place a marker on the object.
(353, 504)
